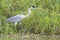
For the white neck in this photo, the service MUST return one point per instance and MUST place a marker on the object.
(29, 12)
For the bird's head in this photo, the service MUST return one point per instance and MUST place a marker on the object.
(32, 7)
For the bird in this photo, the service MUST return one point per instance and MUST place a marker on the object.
(19, 17)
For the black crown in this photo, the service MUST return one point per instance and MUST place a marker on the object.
(33, 6)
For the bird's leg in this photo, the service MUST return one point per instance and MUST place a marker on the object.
(15, 23)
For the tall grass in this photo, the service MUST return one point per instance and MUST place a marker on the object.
(44, 20)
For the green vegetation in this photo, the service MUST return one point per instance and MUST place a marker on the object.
(45, 20)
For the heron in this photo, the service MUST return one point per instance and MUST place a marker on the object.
(19, 17)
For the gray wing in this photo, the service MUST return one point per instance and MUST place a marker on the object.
(16, 18)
